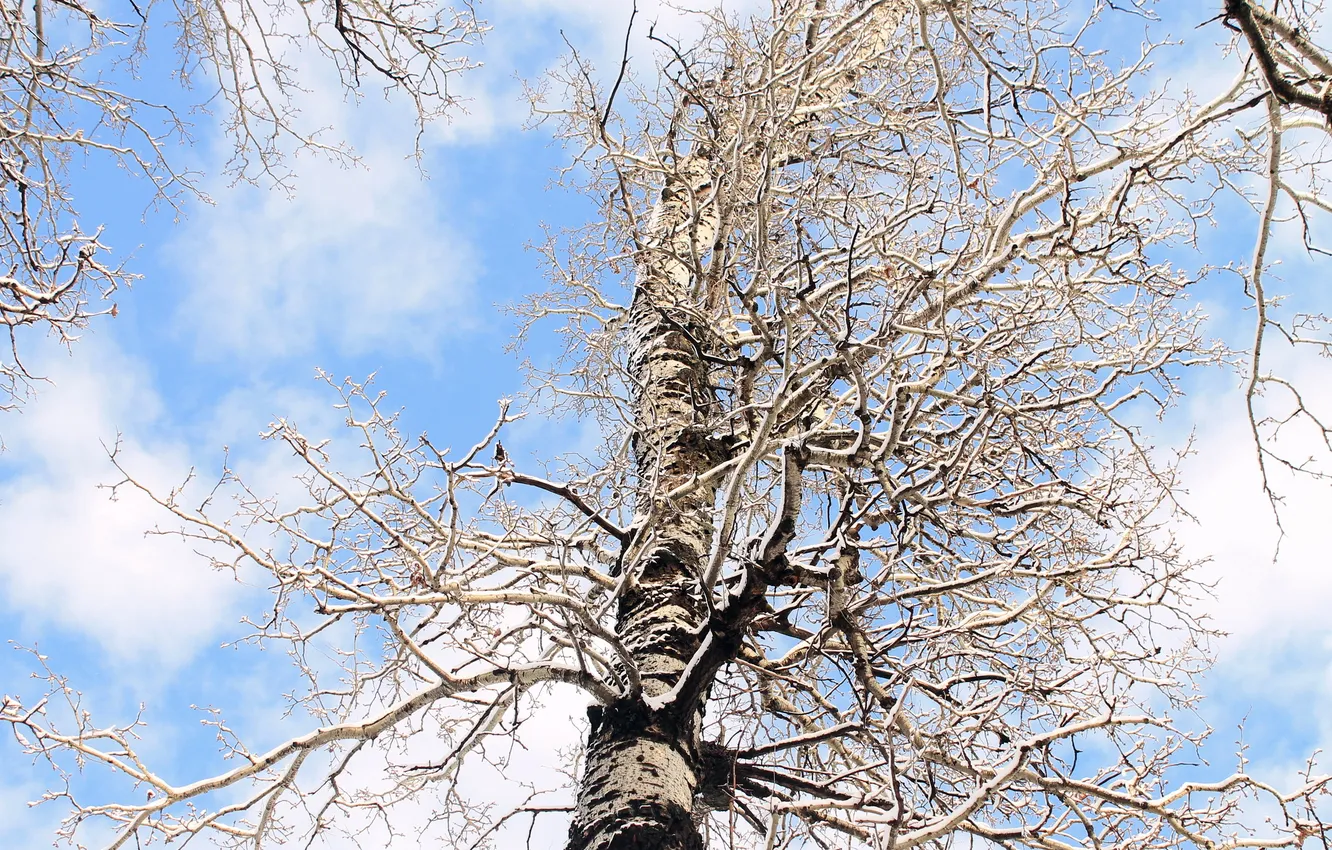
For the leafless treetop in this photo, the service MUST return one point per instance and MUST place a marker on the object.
(873, 552)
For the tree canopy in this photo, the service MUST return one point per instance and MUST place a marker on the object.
(871, 550)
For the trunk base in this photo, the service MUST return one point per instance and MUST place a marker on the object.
(637, 790)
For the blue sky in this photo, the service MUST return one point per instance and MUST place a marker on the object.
(374, 269)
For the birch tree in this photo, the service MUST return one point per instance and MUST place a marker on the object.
(71, 98)
(874, 552)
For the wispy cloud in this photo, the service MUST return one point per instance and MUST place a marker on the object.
(359, 258)
(370, 258)
(77, 562)
(76, 559)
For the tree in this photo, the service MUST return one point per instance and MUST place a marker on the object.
(64, 100)
(874, 552)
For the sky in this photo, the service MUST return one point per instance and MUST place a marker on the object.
(398, 270)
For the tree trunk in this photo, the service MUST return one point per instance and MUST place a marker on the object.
(638, 786)
(641, 774)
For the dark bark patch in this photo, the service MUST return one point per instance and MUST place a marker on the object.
(640, 825)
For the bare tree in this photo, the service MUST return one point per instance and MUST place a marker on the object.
(874, 552)
(64, 102)
(1294, 86)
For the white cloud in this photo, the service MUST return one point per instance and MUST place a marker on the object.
(77, 561)
(501, 774)
(1271, 600)
(1259, 598)
(357, 258)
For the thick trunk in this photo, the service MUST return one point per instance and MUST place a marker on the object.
(641, 772)
(638, 786)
